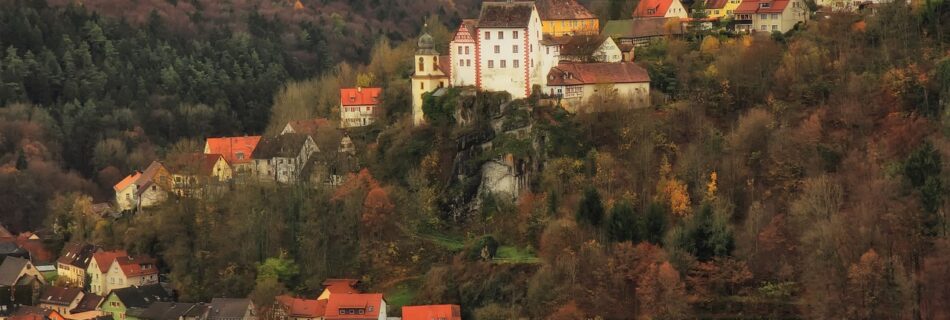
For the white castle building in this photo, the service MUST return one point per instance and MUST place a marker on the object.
(503, 50)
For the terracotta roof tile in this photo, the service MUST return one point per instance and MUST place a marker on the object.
(369, 303)
(104, 259)
(341, 285)
(127, 181)
(137, 266)
(236, 150)
(658, 7)
(303, 308)
(569, 73)
(359, 96)
(755, 6)
(443, 311)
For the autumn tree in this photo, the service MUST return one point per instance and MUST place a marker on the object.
(661, 293)
(877, 288)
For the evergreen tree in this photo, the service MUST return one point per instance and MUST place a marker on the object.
(591, 209)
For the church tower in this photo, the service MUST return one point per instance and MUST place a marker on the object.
(428, 75)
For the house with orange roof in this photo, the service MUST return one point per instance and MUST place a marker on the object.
(566, 17)
(338, 286)
(143, 189)
(429, 312)
(660, 9)
(358, 106)
(235, 150)
(125, 191)
(197, 172)
(289, 308)
(360, 306)
(580, 83)
(770, 15)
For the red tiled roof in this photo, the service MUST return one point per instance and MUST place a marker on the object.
(63, 296)
(562, 10)
(127, 181)
(230, 147)
(308, 126)
(340, 285)
(137, 266)
(369, 303)
(303, 308)
(442, 311)
(659, 8)
(359, 96)
(754, 6)
(570, 73)
(104, 259)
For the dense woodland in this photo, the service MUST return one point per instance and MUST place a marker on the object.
(799, 175)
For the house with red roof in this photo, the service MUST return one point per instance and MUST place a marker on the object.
(660, 9)
(116, 269)
(360, 306)
(358, 106)
(143, 189)
(770, 15)
(125, 191)
(579, 83)
(235, 150)
(291, 308)
(98, 270)
(338, 286)
(429, 312)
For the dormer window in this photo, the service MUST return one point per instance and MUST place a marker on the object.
(765, 5)
(651, 11)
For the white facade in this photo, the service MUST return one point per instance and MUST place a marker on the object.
(636, 95)
(608, 52)
(357, 116)
(509, 59)
(463, 57)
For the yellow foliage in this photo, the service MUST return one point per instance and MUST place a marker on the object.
(710, 45)
(679, 199)
(712, 187)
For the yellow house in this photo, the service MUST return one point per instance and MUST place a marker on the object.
(721, 9)
(191, 172)
(566, 17)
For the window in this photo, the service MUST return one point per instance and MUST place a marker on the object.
(421, 65)
(491, 64)
(764, 28)
(501, 35)
(775, 16)
(774, 27)
(764, 16)
(764, 5)
(497, 49)
(422, 85)
(466, 49)
(717, 11)
(468, 62)
(461, 63)
(514, 49)
(514, 34)
(487, 35)
(342, 311)
(460, 49)
(501, 64)
(547, 50)
(515, 64)
(239, 155)
(370, 308)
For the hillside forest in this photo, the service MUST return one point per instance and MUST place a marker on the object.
(787, 176)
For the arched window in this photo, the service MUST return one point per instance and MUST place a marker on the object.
(435, 63)
(421, 65)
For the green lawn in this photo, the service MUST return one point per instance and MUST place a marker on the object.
(448, 242)
(512, 254)
(401, 294)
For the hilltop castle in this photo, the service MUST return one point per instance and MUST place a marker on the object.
(506, 50)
